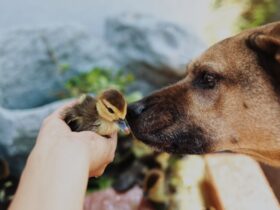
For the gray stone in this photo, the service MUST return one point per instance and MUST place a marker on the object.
(19, 128)
(155, 50)
(33, 60)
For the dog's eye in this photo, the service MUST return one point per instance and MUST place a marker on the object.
(206, 80)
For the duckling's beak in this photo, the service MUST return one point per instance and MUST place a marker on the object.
(123, 126)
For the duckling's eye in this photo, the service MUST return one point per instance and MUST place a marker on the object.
(110, 110)
(206, 80)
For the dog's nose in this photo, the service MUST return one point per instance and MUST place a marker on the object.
(135, 109)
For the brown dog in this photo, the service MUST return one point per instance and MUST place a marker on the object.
(229, 100)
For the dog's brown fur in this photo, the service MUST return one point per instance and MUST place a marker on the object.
(229, 100)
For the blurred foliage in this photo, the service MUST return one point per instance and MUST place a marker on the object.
(100, 183)
(8, 185)
(99, 79)
(258, 12)
(254, 12)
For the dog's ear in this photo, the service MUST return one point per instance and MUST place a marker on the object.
(267, 41)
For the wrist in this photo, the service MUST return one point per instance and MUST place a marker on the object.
(62, 157)
(50, 176)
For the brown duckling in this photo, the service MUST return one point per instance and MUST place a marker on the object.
(103, 115)
(155, 189)
(4, 169)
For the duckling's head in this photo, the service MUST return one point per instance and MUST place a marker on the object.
(112, 107)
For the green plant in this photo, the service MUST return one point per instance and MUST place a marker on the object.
(99, 79)
(100, 183)
(257, 13)
(254, 12)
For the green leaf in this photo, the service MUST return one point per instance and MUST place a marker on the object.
(99, 79)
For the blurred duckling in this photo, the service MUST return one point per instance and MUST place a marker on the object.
(155, 189)
(103, 115)
(4, 169)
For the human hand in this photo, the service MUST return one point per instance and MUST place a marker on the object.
(56, 140)
(56, 173)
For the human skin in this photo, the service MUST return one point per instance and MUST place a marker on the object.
(57, 170)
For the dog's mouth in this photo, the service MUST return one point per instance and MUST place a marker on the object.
(174, 137)
(160, 123)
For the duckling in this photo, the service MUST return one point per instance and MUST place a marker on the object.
(155, 189)
(103, 115)
(4, 169)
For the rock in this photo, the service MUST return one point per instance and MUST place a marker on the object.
(152, 48)
(18, 131)
(34, 61)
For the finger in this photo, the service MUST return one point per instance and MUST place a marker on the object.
(114, 141)
(106, 146)
(59, 112)
(55, 120)
(109, 143)
(90, 135)
(54, 124)
(98, 172)
(114, 135)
